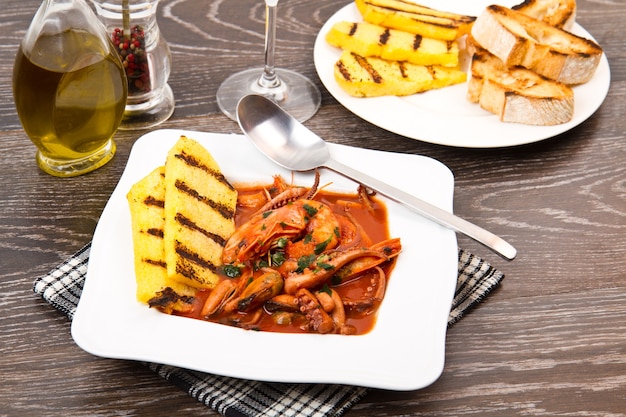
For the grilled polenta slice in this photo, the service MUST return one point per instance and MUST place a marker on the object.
(414, 18)
(146, 200)
(367, 39)
(200, 208)
(372, 77)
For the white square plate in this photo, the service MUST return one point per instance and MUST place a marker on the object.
(404, 351)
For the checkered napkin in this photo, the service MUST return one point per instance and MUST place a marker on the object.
(232, 397)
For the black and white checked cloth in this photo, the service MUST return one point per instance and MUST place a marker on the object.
(232, 397)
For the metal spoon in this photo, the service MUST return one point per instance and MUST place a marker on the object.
(291, 145)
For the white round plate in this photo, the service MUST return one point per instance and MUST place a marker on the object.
(445, 116)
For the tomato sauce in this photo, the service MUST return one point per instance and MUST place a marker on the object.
(361, 225)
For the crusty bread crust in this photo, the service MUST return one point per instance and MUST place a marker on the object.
(518, 95)
(557, 13)
(520, 40)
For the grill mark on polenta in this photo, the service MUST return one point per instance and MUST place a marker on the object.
(384, 37)
(153, 231)
(192, 257)
(222, 209)
(417, 42)
(432, 72)
(365, 64)
(402, 69)
(190, 224)
(154, 262)
(344, 71)
(170, 299)
(192, 161)
(353, 29)
(151, 201)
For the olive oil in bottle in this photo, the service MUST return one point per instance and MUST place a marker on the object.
(70, 93)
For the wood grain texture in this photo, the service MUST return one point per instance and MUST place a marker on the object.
(550, 341)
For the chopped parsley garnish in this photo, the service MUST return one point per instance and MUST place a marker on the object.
(278, 258)
(231, 271)
(310, 210)
(321, 247)
(304, 262)
(335, 280)
(326, 289)
(324, 265)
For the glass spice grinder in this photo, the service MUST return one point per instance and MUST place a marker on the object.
(133, 29)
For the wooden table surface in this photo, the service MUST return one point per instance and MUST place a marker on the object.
(550, 341)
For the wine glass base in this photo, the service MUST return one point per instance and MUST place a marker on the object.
(295, 94)
(75, 167)
(149, 113)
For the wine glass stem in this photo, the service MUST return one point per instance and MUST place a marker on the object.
(269, 79)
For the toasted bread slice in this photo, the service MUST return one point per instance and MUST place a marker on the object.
(520, 40)
(373, 77)
(146, 200)
(518, 95)
(367, 39)
(414, 18)
(200, 207)
(557, 13)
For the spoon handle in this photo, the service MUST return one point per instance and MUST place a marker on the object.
(427, 210)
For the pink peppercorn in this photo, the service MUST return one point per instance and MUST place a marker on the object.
(134, 58)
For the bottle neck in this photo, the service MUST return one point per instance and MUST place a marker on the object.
(55, 17)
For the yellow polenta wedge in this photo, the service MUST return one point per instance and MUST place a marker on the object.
(372, 77)
(367, 39)
(146, 200)
(411, 17)
(200, 208)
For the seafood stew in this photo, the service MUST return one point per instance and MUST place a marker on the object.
(301, 260)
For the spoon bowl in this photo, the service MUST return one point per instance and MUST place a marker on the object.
(291, 145)
(280, 136)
